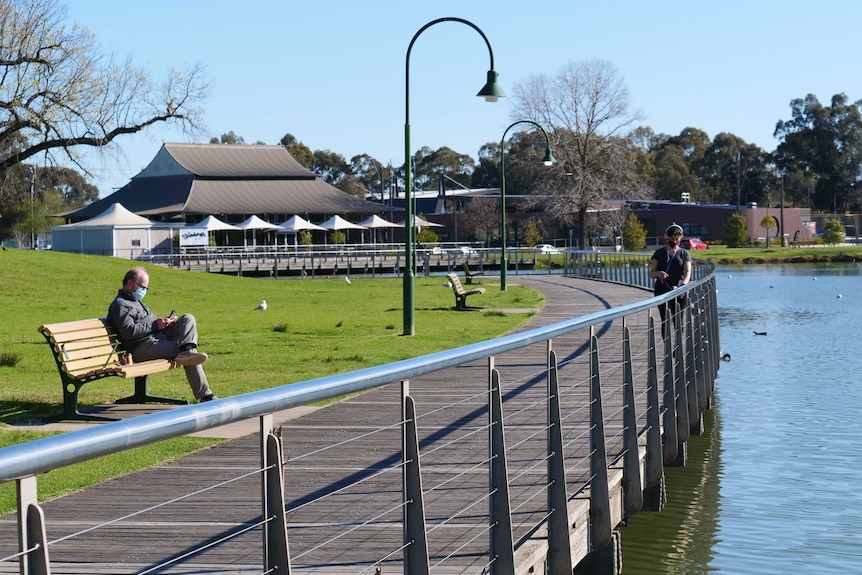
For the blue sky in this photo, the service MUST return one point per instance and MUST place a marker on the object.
(332, 73)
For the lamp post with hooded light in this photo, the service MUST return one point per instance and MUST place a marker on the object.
(491, 91)
(547, 160)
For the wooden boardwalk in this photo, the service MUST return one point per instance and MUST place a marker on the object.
(327, 451)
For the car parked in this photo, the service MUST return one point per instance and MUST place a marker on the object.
(694, 244)
(546, 249)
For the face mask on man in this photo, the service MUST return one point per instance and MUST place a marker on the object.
(139, 293)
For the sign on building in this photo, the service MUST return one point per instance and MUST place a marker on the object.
(193, 238)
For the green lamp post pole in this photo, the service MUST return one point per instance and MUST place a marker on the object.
(547, 160)
(491, 92)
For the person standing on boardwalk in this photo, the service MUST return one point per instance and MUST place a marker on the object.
(147, 337)
(670, 266)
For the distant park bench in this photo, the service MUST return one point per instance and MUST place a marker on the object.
(470, 275)
(88, 350)
(460, 293)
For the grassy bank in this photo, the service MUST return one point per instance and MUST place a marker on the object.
(311, 328)
(778, 255)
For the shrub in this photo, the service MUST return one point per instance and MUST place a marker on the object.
(735, 232)
(634, 234)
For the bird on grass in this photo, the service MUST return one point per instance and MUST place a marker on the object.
(261, 306)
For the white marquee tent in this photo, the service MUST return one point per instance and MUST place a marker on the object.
(115, 232)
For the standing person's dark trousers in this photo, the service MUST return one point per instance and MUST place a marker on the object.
(673, 309)
(168, 343)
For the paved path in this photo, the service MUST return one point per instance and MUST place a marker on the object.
(142, 541)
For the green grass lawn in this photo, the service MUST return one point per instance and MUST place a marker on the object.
(311, 328)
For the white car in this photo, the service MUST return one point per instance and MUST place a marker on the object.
(546, 249)
(468, 250)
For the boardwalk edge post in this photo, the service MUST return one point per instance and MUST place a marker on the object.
(559, 536)
(415, 533)
(502, 543)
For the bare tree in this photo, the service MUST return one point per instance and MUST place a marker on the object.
(585, 110)
(59, 92)
(481, 217)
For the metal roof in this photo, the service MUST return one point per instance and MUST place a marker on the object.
(229, 180)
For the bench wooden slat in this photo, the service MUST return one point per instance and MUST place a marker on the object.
(146, 368)
(72, 326)
(82, 335)
(72, 352)
(90, 363)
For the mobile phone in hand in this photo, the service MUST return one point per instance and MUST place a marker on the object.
(173, 315)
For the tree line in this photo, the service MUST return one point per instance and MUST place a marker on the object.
(61, 94)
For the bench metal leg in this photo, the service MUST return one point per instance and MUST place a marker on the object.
(70, 406)
(142, 396)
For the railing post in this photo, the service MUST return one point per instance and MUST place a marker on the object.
(632, 488)
(276, 553)
(671, 442)
(682, 428)
(600, 507)
(415, 538)
(559, 535)
(691, 369)
(680, 388)
(714, 340)
(502, 541)
(31, 530)
(701, 353)
(654, 464)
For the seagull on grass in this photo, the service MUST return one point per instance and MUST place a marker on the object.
(261, 306)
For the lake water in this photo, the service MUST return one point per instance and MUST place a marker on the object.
(774, 486)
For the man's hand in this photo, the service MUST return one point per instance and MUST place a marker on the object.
(163, 322)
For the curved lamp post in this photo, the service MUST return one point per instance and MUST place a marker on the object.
(491, 91)
(547, 160)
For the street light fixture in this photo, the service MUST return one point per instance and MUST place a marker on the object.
(491, 91)
(547, 160)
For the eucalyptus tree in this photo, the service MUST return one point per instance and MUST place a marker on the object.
(299, 151)
(371, 174)
(823, 146)
(429, 165)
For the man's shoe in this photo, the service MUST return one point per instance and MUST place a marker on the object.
(208, 397)
(190, 358)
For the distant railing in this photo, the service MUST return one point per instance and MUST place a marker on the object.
(525, 462)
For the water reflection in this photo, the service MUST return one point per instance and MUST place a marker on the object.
(680, 538)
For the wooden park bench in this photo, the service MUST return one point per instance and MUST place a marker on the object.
(88, 350)
(460, 293)
(470, 275)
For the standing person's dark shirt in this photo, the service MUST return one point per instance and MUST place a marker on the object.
(673, 265)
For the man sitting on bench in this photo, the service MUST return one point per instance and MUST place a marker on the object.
(146, 336)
